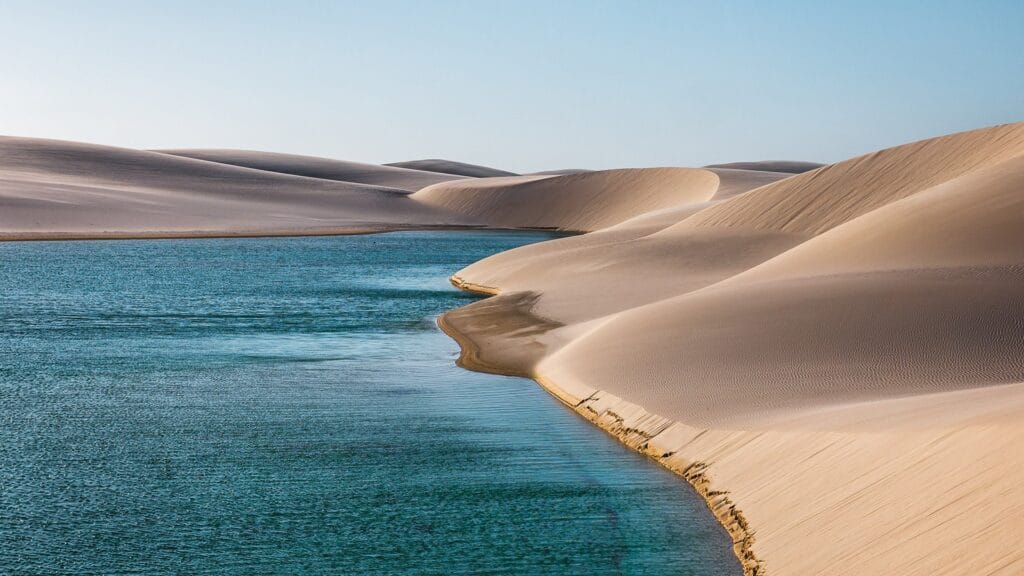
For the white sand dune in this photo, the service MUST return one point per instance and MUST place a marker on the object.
(561, 172)
(326, 168)
(452, 167)
(57, 189)
(957, 258)
(815, 201)
(785, 166)
(841, 350)
(566, 270)
(577, 202)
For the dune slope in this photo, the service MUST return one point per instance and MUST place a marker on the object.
(786, 166)
(578, 202)
(326, 168)
(57, 189)
(635, 266)
(815, 201)
(841, 350)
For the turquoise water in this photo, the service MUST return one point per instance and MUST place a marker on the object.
(287, 406)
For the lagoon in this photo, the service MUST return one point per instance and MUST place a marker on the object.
(288, 406)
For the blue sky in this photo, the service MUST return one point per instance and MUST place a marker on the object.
(519, 85)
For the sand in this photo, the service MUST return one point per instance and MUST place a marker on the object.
(833, 356)
(785, 166)
(56, 189)
(834, 359)
(452, 167)
(325, 168)
(577, 202)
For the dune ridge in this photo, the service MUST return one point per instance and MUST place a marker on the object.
(57, 189)
(452, 167)
(840, 350)
(783, 166)
(815, 201)
(51, 189)
(574, 202)
(325, 168)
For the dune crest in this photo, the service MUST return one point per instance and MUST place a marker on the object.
(576, 202)
(783, 166)
(815, 201)
(452, 167)
(52, 189)
(326, 168)
(636, 264)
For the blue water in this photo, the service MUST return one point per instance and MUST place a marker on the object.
(287, 406)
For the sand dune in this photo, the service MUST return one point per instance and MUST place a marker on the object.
(638, 266)
(841, 350)
(970, 221)
(784, 166)
(452, 167)
(813, 202)
(925, 294)
(578, 202)
(56, 189)
(343, 171)
(561, 172)
(919, 294)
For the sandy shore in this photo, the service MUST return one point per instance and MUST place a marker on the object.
(833, 360)
(476, 355)
(832, 356)
(484, 352)
(789, 476)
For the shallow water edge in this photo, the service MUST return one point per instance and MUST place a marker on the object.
(599, 408)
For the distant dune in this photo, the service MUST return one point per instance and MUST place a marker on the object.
(561, 172)
(833, 356)
(580, 202)
(784, 166)
(57, 189)
(343, 171)
(451, 167)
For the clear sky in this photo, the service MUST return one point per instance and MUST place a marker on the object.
(519, 85)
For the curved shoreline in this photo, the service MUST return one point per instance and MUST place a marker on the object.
(599, 408)
(283, 233)
(211, 234)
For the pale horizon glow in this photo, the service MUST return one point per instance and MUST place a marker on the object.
(521, 86)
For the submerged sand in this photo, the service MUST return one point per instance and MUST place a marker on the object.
(833, 356)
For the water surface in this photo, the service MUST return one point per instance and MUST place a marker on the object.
(288, 406)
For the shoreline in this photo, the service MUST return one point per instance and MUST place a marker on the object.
(202, 234)
(284, 233)
(599, 411)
